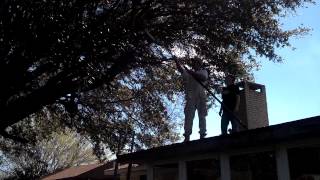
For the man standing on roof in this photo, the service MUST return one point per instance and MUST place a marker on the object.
(195, 96)
(230, 105)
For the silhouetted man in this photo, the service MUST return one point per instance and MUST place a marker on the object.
(230, 101)
(195, 97)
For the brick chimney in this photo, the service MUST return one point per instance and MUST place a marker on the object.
(253, 110)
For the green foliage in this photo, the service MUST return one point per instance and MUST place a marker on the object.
(136, 103)
(101, 68)
(57, 151)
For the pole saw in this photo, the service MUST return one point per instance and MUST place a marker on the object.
(200, 82)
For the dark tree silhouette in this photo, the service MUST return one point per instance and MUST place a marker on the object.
(55, 51)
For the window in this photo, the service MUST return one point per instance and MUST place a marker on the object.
(255, 166)
(304, 163)
(208, 169)
(166, 172)
(143, 177)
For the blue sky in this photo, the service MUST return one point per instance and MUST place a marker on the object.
(293, 87)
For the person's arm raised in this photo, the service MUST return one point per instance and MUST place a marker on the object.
(200, 75)
(179, 67)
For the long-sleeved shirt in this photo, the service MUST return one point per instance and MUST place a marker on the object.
(193, 88)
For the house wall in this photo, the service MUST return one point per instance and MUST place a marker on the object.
(269, 162)
(134, 176)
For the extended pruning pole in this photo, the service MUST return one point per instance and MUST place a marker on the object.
(202, 84)
(215, 97)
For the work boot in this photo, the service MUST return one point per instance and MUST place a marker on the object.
(186, 138)
(202, 136)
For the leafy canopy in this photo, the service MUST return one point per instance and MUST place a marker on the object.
(70, 54)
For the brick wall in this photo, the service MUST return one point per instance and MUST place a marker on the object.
(253, 111)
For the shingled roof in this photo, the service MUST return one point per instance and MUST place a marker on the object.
(92, 171)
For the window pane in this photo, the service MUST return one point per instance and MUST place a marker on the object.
(166, 172)
(208, 169)
(304, 163)
(255, 166)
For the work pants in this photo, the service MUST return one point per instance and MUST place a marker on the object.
(225, 119)
(193, 104)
